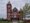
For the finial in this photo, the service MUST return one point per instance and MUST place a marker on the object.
(9, 2)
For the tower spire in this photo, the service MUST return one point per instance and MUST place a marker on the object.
(9, 2)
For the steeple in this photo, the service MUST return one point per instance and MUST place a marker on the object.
(9, 2)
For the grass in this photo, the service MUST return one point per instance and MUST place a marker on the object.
(20, 21)
(8, 22)
(5, 22)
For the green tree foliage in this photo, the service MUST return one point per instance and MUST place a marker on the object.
(21, 13)
(26, 9)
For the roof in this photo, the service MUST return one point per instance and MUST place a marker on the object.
(15, 9)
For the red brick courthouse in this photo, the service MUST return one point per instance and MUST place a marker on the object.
(12, 13)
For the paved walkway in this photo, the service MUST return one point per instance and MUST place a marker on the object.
(14, 21)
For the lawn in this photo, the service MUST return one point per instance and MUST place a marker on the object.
(5, 22)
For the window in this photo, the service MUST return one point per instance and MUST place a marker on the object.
(9, 14)
(8, 10)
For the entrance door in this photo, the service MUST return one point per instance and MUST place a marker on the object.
(14, 16)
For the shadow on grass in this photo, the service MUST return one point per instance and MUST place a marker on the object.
(5, 21)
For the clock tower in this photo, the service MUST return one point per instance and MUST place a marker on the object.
(9, 10)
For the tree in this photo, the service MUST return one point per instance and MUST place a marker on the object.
(21, 13)
(26, 9)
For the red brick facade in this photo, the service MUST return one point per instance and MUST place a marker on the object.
(11, 13)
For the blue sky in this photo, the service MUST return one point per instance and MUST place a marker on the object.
(15, 3)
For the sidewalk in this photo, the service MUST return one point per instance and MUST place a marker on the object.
(14, 21)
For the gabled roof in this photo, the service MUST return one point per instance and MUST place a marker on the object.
(15, 9)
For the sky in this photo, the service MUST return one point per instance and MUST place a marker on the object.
(15, 3)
